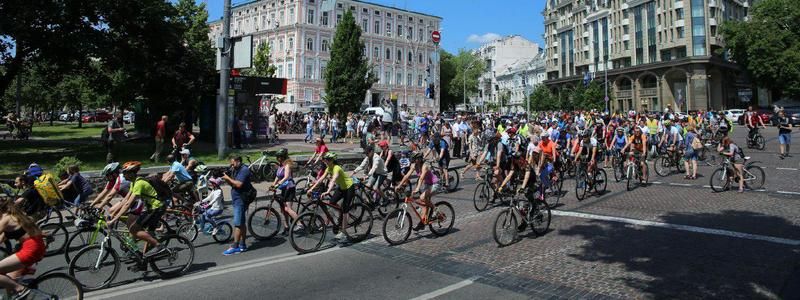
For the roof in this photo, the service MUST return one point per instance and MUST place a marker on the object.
(247, 2)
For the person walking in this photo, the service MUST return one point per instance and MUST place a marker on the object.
(690, 153)
(334, 126)
(784, 134)
(160, 134)
(242, 192)
(309, 128)
(116, 132)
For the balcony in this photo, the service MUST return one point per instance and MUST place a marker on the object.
(586, 34)
(712, 3)
(626, 37)
(649, 92)
(712, 21)
(626, 21)
(680, 23)
(625, 94)
(678, 4)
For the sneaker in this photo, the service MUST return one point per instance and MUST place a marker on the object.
(213, 231)
(232, 251)
(419, 227)
(340, 236)
(242, 248)
(22, 294)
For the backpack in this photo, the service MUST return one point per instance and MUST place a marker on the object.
(164, 193)
(46, 186)
(104, 136)
(696, 144)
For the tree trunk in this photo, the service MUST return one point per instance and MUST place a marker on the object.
(80, 113)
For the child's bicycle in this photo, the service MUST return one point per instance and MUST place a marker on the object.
(220, 227)
(50, 285)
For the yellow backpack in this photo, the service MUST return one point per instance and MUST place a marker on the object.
(48, 188)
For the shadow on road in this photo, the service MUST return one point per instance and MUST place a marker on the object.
(668, 264)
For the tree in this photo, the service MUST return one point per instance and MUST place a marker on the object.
(349, 75)
(587, 97)
(261, 64)
(447, 72)
(768, 46)
(541, 99)
(474, 67)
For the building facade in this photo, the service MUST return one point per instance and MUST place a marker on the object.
(499, 56)
(518, 81)
(655, 53)
(397, 42)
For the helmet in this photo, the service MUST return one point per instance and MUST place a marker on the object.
(131, 166)
(201, 168)
(330, 156)
(282, 153)
(383, 144)
(34, 170)
(215, 181)
(667, 122)
(512, 131)
(416, 156)
(544, 134)
(110, 168)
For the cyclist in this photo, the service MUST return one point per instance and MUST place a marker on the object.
(319, 151)
(439, 148)
(752, 121)
(427, 184)
(374, 169)
(532, 153)
(143, 208)
(637, 143)
(116, 185)
(723, 125)
(728, 148)
(587, 151)
(546, 158)
(391, 161)
(30, 202)
(14, 224)
(213, 205)
(345, 191)
(284, 181)
(184, 180)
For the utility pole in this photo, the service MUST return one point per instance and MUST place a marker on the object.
(224, 74)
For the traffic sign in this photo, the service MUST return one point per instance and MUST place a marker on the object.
(435, 36)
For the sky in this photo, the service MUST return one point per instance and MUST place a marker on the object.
(465, 23)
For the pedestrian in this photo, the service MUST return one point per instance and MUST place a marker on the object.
(323, 126)
(181, 139)
(334, 125)
(693, 144)
(116, 132)
(242, 193)
(309, 119)
(350, 129)
(160, 133)
(784, 134)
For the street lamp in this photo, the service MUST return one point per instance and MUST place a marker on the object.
(466, 68)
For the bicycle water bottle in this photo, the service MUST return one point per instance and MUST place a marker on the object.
(131, 243)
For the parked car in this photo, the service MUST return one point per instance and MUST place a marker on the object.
(99, 116)
(793, 112)
(129, 117)
(733, 114)
(764, 114)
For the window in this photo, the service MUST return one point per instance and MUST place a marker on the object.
(310, 44)
(291, 44)
(290, 70)
(388, 29)
(377, 27)
(410, 57)
(399, 56)
(280, 44)
(388, 54)
(310, 17)
(398, 79)
(325, 46)
(680, 32)
(291, 15)
(419, 80)
(399, 30)
(376, 52)
(679, 13)
(409, 80)
(282, 19)
(324, 18)
(387, 77)
(309, 73)
(410, 33)
(364, 26)
(624, 29)
(421, 35)
(420, 57)
(338, 18)
(698, 28)
(279, 71)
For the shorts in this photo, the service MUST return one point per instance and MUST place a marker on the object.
(149, 219)
(785, 138)
(239, 211)
(287, 194)
(375, 181)
(690, 154)
(444, 162)
(347, 195)
(434, 188)
(32, 250)
(185, 186)
(387, 127)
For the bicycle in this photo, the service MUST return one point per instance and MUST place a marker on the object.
(636, 173)
(50, 285)
(397, 225)
(586, 182)
(672, 158)
(377, 200)
(453, 177)
(93, 259)
(618, 165)
(261, 169)
(222, 231)
(309, 229)
(265, 221)
(534, 213)
(756, 141)
(722, 178)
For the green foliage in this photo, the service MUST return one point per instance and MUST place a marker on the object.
(768, 46)
(261, 65)
(588, 98)
(467, 65)
(447, 72)
(64, 163)
(349, 75)
(541, 99)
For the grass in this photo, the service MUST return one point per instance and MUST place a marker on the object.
(70, 131)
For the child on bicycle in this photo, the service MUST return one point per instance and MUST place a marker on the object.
(213, 205)
(14, 224)
(427, 185)
(285, 183)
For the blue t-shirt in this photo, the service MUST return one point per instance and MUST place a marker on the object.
(243, 176)
(180, 172)
(81, 185)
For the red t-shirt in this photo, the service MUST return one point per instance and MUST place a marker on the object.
(321, 149)
(161, 129)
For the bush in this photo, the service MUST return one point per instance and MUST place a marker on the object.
(64, 163)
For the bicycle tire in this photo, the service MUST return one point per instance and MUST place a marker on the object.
(388, 202)
(55, 237)
(629, 174)
(661, 166)
(759, 177)
(619, 170)
(176, 246)
(481, 197)
(269, 171)
(398, 222)
(307, 224)
(57, 286)
(717, 182)
(581, 185)
(505, 230)
(541, 216)
(224, 232)
(600, 180)
(82, 238)
(443, 218)
(360, 221)
(189, 231)
(454, 180)
(264, 223)
(759, 142)
(87, 263)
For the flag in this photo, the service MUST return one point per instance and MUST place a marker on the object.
(586, 79)
(328, 5)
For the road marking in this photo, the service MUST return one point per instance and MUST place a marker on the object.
(681, 184)
(788, 193)
(704, 230)
(657, 182)
(245, 265)
(447, 289)
(707, 186)
(787, 169)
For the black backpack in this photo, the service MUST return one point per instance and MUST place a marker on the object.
(162, 188)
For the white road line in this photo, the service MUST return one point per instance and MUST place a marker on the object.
(788, 193)
(706, 186)
(447, 289)
(657, 182)
(787, 169)
(704, 230)
(681, 184)
(245, 265)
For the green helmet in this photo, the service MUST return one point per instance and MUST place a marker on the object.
(110, 168)
(330, 156)
(282, 153)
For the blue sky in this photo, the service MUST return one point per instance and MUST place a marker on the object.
(466, 23)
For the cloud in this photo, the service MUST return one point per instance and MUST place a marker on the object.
(485, 38)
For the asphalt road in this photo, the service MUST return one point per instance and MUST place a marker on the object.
(672, 239)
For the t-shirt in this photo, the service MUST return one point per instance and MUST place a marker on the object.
(33, 202)
(142, 189)
(242, 175)
(180, 172)
(182, 137)
(321, 149)
(784, 122)
(115, 136)
(343, 181)
(81, 185)
(547, 149)
(161, 129)
(690, 136)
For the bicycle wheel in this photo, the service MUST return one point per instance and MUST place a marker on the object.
(454, 179)
(82, 238)
(718, 180)
(189, 231)
(301, 185)
(397, 226)
(630, 180)
(268, 172)
(505, 227)
(177, 258)
(359, 222)
(581, 186)
(55, 237)
(94, 267)
(264, 223)
(442, 218)
(619, 169)
(600, 181)
(224, 232)
(680, 165)
(754, 177)
(539, 217)
(759, 142)
(307, 232)
(388, 202)
(481, 196)
(661, 165)
(56, 286)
